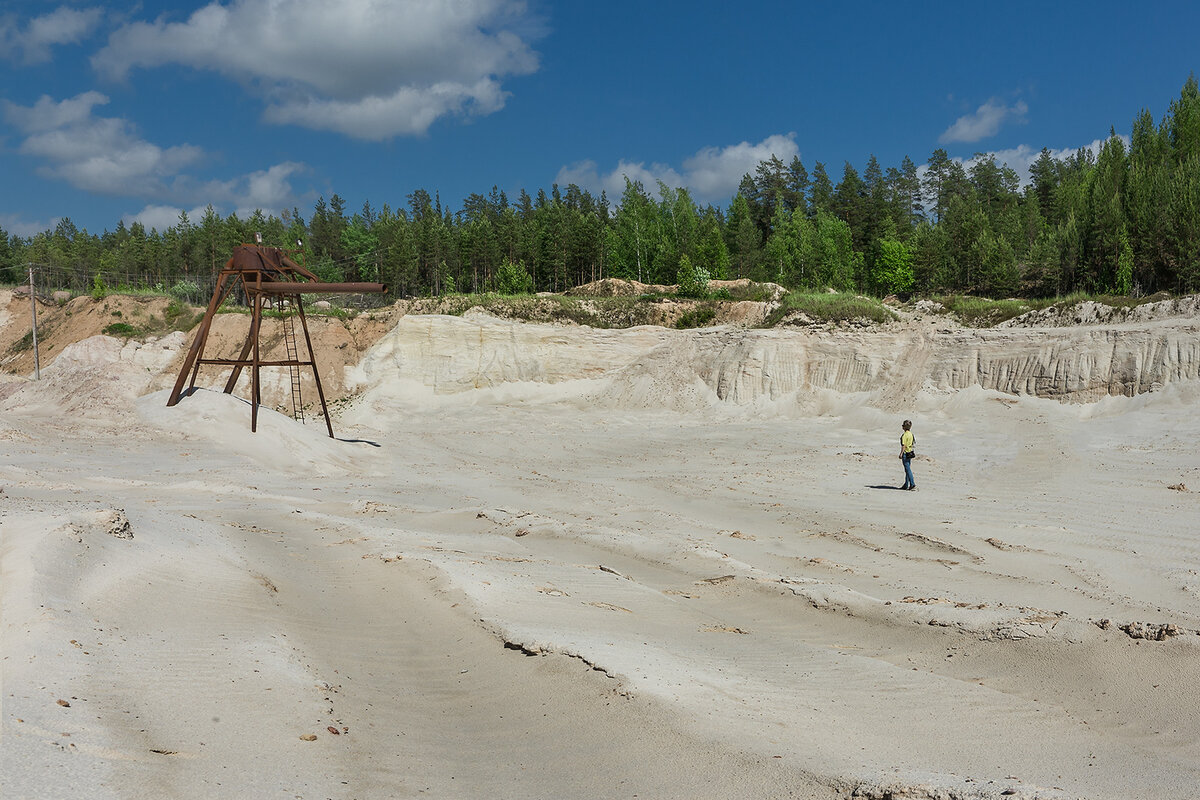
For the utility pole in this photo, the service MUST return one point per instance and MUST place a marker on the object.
(37, 366)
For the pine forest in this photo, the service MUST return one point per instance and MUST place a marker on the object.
(1124, 220)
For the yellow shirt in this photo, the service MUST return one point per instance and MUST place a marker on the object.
(907, 440)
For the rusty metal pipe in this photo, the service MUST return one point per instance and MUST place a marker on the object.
(282, 287)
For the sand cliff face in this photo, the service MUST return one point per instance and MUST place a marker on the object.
(1079, 364)
(745, 367)
(1123, 354)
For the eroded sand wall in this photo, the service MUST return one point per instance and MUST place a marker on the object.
(744, 367)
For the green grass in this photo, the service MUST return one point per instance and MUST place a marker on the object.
(179, 316)
(23, 344)
(337, 312)
(122, 329)
(980, 312)
(597, 312)
(697, 317)
(755, 292)
(830, 307)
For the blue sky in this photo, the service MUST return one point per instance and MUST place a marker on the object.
(140, 110)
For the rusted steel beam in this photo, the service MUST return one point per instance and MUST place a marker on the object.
(220, 292)
(229, 362)
(255, 387)
(281, 287)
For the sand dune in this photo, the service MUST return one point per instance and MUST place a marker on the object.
(550, 561)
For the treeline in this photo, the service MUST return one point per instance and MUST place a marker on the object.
(1124, 220)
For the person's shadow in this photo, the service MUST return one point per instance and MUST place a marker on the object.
(882, 486)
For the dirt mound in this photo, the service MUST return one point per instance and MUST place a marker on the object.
(89, 374)
(742, 286)
(95, 379)
(619, 287)
(73, 321)
(1090, 312)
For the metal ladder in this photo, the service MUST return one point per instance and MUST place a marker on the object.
(289, 341)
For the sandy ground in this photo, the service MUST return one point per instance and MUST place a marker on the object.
(517, 575)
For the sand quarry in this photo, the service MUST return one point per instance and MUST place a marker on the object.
(547, 561)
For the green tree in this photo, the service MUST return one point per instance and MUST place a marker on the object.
(361, 246)
(935, 182)
(1043, 175)
(513, 278)
(9, 268)
(1183, 126)
(693, 280)
(711, 252)
(743, 239)
(822, 190)
(634, 241)
(893, 273)
(1124, 282)
(796, 195)
(834, 259)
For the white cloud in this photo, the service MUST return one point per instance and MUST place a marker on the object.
(586, 175)
(48, 114)
(716, 172)
(1021, 158)
(269, 190)
(370, 69)
(34, 41)
(98, 154)
(408, 110)
(984, 122)
(15, 225)
(712, 175)
(105, 155)
(161, 217)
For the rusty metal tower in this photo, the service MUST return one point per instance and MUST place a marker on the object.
(266, 275)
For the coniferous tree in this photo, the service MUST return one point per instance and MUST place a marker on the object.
(1044, 177)
(822, 191)
(796, 193)
(743, 239)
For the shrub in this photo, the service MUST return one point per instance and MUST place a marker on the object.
(893, 268)
(693, 280)
(329, 272)
(697, 317)
(513, 278)
(22, 344)
(184, 290)
(122, 329)
(831, 307)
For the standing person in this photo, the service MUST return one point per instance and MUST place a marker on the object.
(907, 443)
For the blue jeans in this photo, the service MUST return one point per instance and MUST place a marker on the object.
(909, 480)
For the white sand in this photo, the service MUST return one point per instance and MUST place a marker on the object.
(553, 562)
